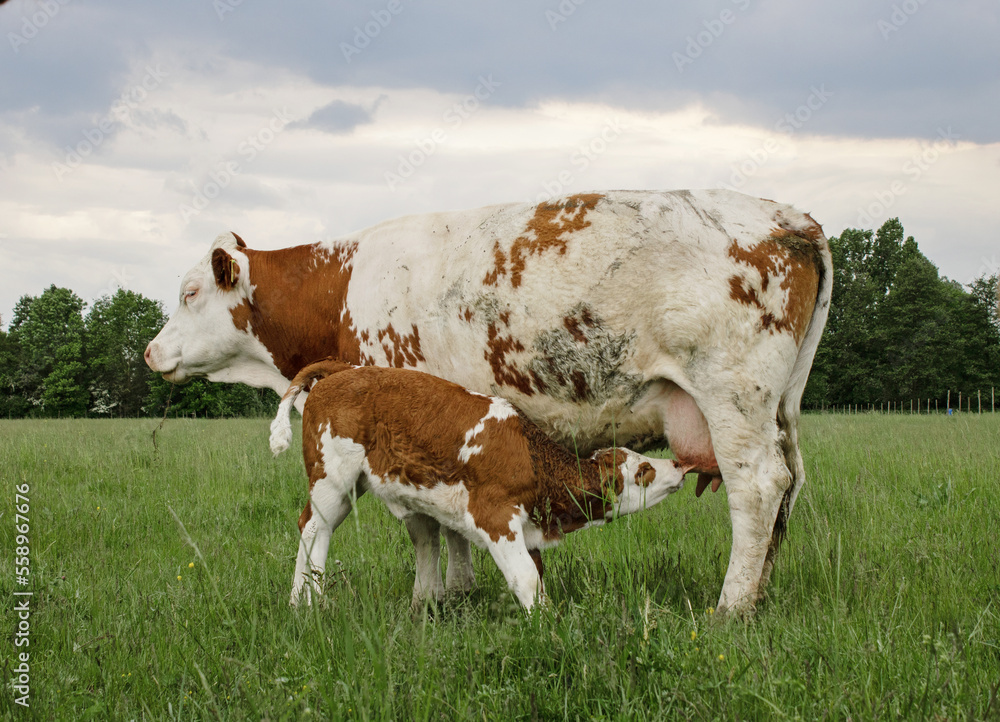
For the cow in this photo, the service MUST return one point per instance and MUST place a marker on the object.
(448, 456)
(618, 318)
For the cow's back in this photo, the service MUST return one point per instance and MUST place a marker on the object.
(571, 308)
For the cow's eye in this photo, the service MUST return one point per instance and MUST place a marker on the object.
(189, 294)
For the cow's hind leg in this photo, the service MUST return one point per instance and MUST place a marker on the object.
(425, 533)
(735, 435)
(747, 448)
(789, 443)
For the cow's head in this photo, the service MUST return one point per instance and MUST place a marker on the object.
(202, 339)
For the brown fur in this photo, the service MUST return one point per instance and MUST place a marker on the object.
(413, 426)
(795, 259)
(298, 300)
(225, 270)
(543, 233)
(504, 372)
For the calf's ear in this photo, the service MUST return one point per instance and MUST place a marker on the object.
(225, 269)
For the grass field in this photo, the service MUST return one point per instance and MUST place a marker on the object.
(885, 602)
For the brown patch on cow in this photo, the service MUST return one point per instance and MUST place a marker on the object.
(573, 326)
(239, 241)
(499, 266)
(544, 232)
(400, 349)
(307, 513)
(466, 315)
(413, 427)
(504, 372)
(225, 269)
(298, 309)
(794, 257)
(536, 557)
(645, 474)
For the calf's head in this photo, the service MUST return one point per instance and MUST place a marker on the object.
(201, 339)
(639, 481)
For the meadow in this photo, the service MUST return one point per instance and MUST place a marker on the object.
(161, 577)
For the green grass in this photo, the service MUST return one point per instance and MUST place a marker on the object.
(885, 602)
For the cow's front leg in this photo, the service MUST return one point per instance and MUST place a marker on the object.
(460, 577)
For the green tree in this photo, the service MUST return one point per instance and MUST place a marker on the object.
(899, 331)
(914, 326)
(12, 401)
(48, 332)
(118, 329)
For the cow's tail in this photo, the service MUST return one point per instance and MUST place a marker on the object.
(791, 399)
(281, 427)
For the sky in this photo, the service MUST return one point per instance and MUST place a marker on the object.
(132, 133)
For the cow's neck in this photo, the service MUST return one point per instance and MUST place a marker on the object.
(298, 306)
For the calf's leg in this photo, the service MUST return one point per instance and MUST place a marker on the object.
(425, 533)
(460, 576)
(518, 567)
(330, 503)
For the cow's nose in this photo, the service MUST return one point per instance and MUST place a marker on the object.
(148, 355)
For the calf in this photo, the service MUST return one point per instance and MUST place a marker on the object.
(437, 453)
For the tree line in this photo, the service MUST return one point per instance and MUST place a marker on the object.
(897, 331)
(900, 332)
(57, 361)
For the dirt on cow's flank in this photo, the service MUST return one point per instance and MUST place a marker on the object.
(161, 582)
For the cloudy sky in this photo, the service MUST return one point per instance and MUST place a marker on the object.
(131, 134)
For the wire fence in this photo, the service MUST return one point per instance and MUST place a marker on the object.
(978, 402)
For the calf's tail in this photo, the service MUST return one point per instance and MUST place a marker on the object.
(281, 427)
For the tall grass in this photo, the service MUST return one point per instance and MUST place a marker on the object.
(884, 601)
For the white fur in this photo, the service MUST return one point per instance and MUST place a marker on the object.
(499, 410)
(652, 267)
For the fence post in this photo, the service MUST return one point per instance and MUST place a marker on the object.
(949, 400)
(979, 395)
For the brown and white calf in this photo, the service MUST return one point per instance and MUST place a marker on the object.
(439, 454)
(621, 317)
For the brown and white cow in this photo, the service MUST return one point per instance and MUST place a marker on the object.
(608, 318)
(439, 454)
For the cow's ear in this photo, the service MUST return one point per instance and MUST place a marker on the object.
(225, 269)
(239, 241)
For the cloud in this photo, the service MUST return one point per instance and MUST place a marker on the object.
(335, 117)
(824, 109)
